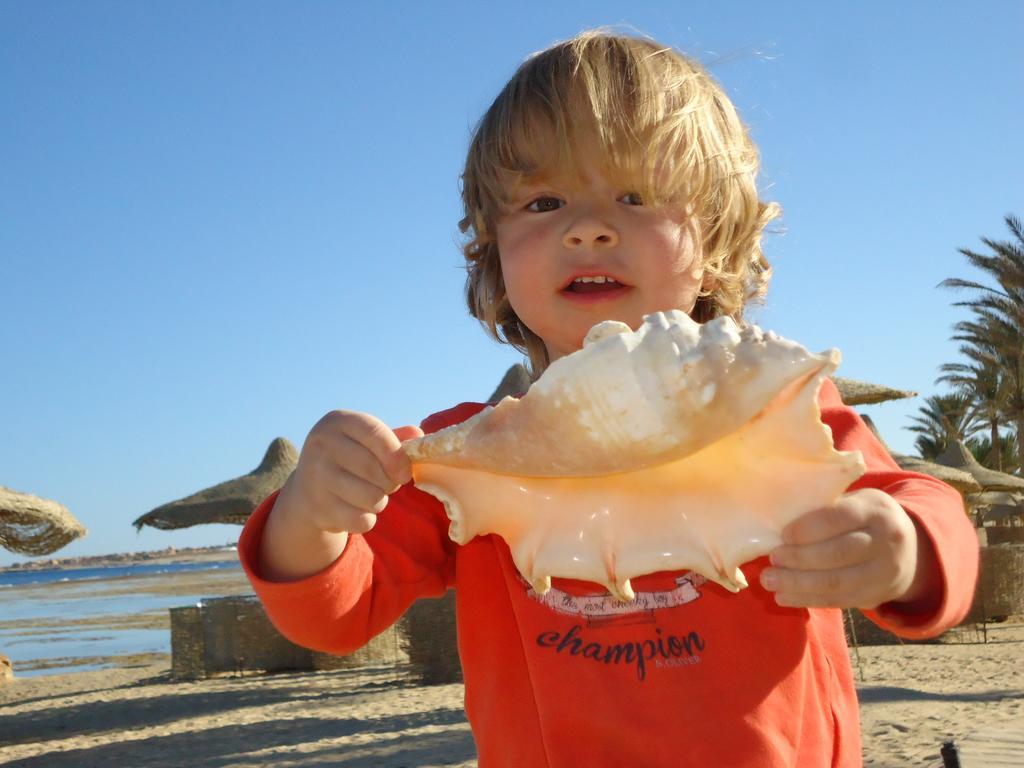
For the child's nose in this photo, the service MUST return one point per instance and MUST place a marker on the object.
(590, 232)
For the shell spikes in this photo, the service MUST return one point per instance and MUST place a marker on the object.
(677, 446)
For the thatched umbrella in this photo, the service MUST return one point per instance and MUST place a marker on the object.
(229, 502)
(960, 480)
(995, 498)
(958, 456)
(863, 393)
(957, 478)
(997, 505)
(515, 382)
(30, 525)
(1002, 512)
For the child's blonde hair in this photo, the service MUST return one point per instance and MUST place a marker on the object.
(661, 128)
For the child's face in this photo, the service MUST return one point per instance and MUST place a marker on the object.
(556, 231)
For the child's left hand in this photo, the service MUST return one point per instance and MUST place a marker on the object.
(862, 552)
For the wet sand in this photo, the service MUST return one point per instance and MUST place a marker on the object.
(159, 557)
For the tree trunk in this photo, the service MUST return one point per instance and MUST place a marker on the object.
(1020, 442)
(997, 446)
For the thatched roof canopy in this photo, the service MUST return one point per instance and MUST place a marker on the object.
(1002, 512)
(514, 383)
(229, 502)
(997, 505)
(863, 393)
(995, 498)
(30, 525)
(959, 479)
(958, 456)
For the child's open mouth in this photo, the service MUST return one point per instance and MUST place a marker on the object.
(594, 288)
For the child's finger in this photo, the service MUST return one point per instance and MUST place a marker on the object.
(353, 458)
(824, 523)
(348, 519)
(787, 600)
(825, 583)
(408, 433)
(837, 552)
(378, 438)
(357, 492)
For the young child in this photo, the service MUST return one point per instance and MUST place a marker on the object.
(612, 178)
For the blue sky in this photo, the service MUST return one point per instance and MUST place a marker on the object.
(219, 221)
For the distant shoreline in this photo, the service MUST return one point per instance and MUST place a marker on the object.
(166, 556)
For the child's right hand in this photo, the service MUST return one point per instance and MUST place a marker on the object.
(349, 465)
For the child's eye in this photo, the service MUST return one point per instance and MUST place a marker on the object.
(544, 204)
(632, 198)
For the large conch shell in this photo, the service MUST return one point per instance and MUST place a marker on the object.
(678, 446)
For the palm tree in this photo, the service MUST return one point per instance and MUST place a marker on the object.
(983, 380)
(944, 419)
(982, 450)
(995, 338)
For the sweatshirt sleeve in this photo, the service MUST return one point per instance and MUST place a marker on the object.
(937, 509)
(405, 556)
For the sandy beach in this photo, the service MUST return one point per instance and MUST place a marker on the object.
(913, 698)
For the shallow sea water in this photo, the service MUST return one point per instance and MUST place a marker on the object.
(54, 626)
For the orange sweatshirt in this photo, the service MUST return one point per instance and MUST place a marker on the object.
(686, 675)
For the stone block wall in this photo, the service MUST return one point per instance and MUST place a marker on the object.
(233, 634)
